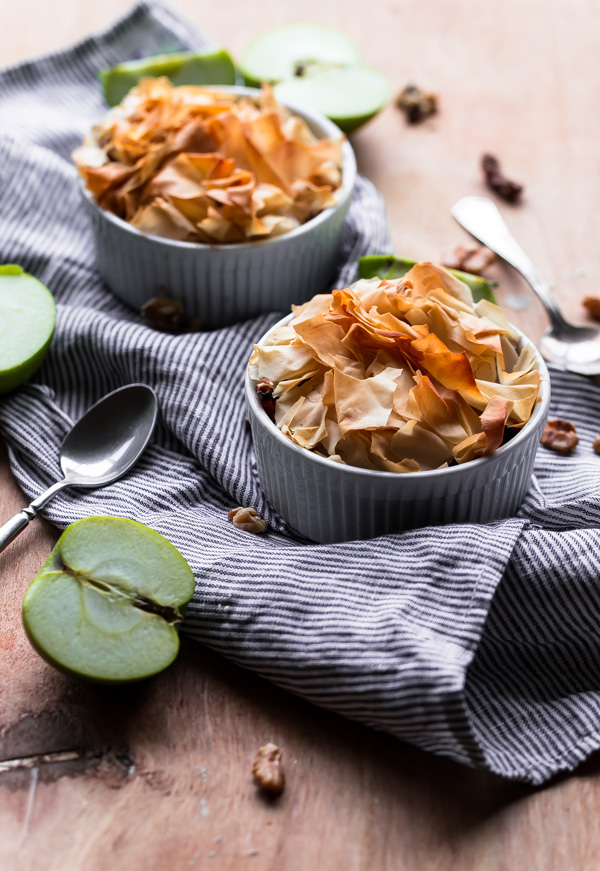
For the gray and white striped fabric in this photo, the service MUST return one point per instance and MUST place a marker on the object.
(478, 642)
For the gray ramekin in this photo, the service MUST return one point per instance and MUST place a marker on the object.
(328, 502)
(222, 284)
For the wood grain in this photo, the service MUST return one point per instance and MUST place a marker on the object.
(158, 776)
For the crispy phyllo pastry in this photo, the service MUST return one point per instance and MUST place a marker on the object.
(200, 165)
(401, 375)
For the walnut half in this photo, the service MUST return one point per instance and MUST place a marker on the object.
(268, 771)
(560, 435)
(163, 314)
(248, 520)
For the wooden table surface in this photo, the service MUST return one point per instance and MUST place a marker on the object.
(158, 776)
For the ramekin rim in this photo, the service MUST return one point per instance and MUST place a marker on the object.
(522, 437)
(349, 174)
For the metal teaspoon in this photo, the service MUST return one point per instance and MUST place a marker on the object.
(574, 348)
(100, 448)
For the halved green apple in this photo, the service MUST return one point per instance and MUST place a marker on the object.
(349, 96)
(283, 52)
(388, 266)
(214, 67)
(27, 320)
(106, 604)
(318, 67)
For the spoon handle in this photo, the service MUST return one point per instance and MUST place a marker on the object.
(481, 218)
(17, 524)
(13, 527)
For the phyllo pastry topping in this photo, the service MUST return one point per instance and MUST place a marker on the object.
(399, 376)
(200, 165)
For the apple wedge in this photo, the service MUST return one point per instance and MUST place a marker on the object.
(213, 67)
(388, 266)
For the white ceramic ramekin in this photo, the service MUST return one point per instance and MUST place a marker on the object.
(327, 502)
(222, 284)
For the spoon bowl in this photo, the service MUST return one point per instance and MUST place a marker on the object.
(570, 347)
(99, 449)
(110, 437)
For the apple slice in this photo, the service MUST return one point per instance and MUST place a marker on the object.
(388, 266)
(281, 52)
(27, 319)
(105, 605)
(350, 96)
(214, 67)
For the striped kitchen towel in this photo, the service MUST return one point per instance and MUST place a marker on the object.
(478, 642)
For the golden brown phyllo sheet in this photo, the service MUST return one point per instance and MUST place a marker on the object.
(200, 165)
(399, 376)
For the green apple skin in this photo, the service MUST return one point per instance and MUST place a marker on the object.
(349, 96)
(214, 67)
(388, 266)
(27, 322)
(274, 54)
(82, 611)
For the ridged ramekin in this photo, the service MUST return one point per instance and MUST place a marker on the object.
(327, 502)
(222, 284)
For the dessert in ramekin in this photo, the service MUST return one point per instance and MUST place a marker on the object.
(401, 404)
(220, 270)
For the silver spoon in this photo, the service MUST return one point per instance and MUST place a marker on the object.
(100, 448)
(574, 348)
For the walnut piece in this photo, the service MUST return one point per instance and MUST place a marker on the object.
(472, 258)
(592, 304)
(264, 391)
(560, 435)
(596, 445)
(268, 771)
(416, 104)
(163, 313)
(497, 181)
(248, 520)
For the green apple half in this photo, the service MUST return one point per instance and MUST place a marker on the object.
(319, 67)
(27, 320)
(105, 605)
(388, 266)
(214, 67)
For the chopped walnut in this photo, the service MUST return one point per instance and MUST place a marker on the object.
(248, 520)
(416, 104)
(497, 181)
(268, 771)
(596, 445)
(592, 304)
(264, 391)
(163, 313)
(560, 435)
(472, 258)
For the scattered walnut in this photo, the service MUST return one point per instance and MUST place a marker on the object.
(592, 304)
(264, 391)
(416, 104)
(267, 769)
(560, 435)
(248, 520)
(504, 187)
(473, 258)
(163, 313)
(596, 445)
